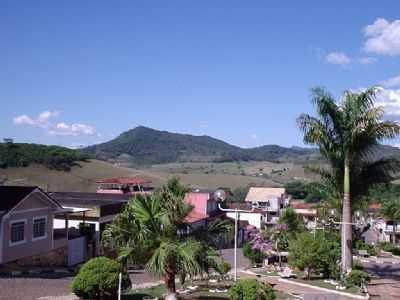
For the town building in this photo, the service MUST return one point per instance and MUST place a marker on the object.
(26, 227)
(124, 185)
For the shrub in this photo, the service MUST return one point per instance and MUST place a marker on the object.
(396, 251)
(372, 251)
(357, 265)
(357, 278)
(98, 279)
(251, 289)
(386, 246)
(255, 256)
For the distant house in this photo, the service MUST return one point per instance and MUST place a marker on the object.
(26, 226)
(124, 185)
(256, 217)
(307, 211)
(204, 205)
(269, 200)
(92, 210)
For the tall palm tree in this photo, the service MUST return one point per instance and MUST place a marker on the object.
(347, 134)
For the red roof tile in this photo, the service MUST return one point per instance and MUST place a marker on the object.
(195, 216)
(124, 180)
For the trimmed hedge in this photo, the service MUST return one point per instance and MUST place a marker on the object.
(98, 279)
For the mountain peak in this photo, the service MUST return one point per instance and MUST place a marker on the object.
(144, 145)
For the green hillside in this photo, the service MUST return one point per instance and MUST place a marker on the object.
(53, 157)
(146, 146)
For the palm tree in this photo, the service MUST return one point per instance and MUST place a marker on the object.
(391, 211)
(347, 134)
(156, 234)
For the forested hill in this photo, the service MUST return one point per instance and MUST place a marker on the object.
(143, 145)
(53, 157)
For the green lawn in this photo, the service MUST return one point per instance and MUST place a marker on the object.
(200, 294)
(322, 284)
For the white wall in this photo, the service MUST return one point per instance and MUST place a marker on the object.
(60, 224)
(254, 219)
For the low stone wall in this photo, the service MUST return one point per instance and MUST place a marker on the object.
(54, 258)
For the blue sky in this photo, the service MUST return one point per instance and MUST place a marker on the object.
(81, 72)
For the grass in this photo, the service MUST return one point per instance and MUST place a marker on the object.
(200, 175)
(322, 284)
(200, 294)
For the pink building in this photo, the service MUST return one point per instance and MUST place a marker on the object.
(204, 207)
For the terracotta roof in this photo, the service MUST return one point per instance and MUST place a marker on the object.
(124, 180)
(262, 194)
(301, 205)
(374, 206)
(195, 216)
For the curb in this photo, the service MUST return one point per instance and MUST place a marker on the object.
(325, 289)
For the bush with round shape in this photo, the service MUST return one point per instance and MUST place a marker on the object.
(98, 279)
(251, 289)
(357, 278)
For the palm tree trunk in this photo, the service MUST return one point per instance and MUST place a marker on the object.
(347, 256)
(170, 283)
(394, 233)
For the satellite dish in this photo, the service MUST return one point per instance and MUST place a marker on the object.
(220, 195)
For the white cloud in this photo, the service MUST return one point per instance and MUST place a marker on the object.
(391, 82)
(366, 60)
(389, 99)
(338, 58)
(42, 119)
(383, 37)
(253, 136)
(74, 129)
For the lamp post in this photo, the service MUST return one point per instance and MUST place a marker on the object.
(358, 222)
(220, 196)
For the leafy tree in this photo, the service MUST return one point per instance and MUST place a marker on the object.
(293, 221)
(251, 289)
(297, 189)
(314, 254)
(239, 194)
(254, 255)
(53, 157)
(347, 134)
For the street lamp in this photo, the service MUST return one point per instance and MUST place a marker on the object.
(220, 196)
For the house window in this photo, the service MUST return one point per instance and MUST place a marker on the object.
(17, 232)
(39, 228)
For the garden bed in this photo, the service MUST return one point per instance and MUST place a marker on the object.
(202, 293)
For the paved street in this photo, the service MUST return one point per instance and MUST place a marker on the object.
(387, 286)
(44, 288)
(33, 288)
